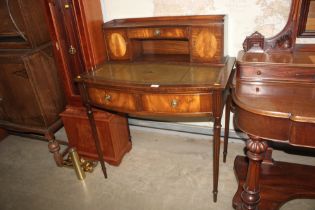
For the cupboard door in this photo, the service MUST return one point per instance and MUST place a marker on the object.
(19, 104)
(22, 24)
(207, 45)
(117, 44)
(44, 78)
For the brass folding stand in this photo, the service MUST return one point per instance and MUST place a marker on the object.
(79, 164)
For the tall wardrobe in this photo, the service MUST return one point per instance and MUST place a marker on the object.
(31, 94)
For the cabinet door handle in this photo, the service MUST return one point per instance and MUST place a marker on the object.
(72, 50)
(174, 103)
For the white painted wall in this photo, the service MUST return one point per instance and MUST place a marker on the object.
(113, 9)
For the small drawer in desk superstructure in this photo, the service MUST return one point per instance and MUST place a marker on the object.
(158, 33)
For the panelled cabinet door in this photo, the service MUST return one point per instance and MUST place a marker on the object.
(22, 24)
(18, 104)
(117, 44)
(207, 44)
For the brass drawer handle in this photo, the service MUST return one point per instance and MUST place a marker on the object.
(157, 32)
(258, 72)
(174, 103)
(108, 98)
(72, 50)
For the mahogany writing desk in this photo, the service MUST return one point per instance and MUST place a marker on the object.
(274, 98)
(160, 89)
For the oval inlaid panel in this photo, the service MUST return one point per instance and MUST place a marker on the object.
(117, 45)
(206, 44)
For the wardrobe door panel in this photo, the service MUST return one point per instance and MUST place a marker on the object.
(19, 102)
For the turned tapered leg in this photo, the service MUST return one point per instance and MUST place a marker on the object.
(96, 139)
(216, 156)
(227, 126)
(54, 148)
(256, 152)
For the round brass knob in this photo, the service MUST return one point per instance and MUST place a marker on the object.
(258, 72)
(72, 50)
(157, 32)
(174, 103)
(108, 98)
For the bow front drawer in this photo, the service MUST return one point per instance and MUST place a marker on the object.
(112, 99)
(173, 103)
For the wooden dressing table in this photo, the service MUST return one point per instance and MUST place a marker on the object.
(155, 68)
(274, 96)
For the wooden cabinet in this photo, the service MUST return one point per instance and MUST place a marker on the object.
(76, 31)
(31, 96)
(30, 90)
(22, 24)
(196, 39)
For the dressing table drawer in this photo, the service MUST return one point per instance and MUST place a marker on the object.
(112, 99)
(147, 33)
(172, 103)
(278, 73)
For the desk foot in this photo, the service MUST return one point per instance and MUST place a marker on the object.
(216, 156)
(224, 157)
(215, 196)
(279, 183)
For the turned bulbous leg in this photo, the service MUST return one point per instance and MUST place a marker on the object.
(54, 148)
(250, 196)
